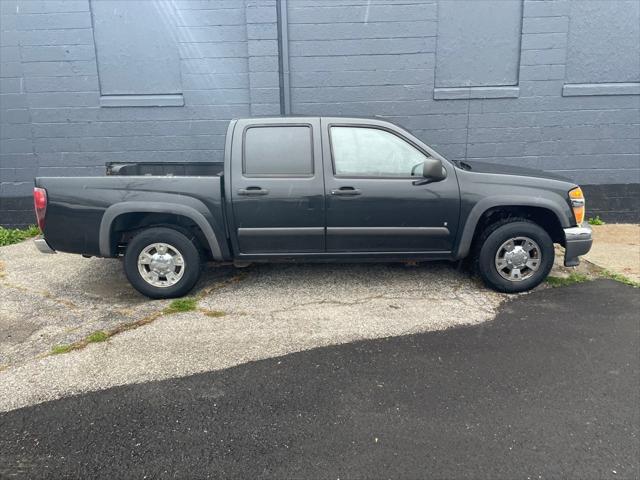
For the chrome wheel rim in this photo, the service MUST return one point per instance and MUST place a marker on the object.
(518, 259)
(161, 265)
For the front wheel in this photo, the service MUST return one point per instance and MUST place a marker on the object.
(515, 255)
(162, 263)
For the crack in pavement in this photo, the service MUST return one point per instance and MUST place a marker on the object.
(127, 326)
(74, 303)
(41, 293)
(408, 296)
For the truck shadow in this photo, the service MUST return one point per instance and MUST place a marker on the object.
(304, 276)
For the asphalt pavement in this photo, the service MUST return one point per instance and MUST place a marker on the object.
(549, 389)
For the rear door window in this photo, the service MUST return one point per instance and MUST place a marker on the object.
(278, 151)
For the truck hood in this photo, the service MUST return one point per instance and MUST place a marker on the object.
(495, 168)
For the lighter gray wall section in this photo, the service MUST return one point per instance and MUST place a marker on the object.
(604, 41)
(347, 57)
(137, 48)
(478, 43)
(18, 161)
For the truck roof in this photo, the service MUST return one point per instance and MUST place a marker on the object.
(299, 117)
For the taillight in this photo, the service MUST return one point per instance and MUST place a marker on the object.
(576, 197)
(40, 204)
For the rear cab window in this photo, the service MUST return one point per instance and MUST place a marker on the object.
(278, 151)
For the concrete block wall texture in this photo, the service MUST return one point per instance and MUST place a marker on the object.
(551, 84)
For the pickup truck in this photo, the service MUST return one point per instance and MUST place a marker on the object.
(317, 189)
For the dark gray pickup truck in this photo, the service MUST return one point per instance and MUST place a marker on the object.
(317, 189)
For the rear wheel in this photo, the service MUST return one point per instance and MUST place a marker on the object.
(162, 263)
(514, 255)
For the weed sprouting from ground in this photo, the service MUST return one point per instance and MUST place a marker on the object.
(596, 220)
(573, 278)
(58, 349)
(99, 336)
(620, 278)
(186, 304)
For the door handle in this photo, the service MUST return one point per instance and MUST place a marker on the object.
(346, 191)
(251, 191)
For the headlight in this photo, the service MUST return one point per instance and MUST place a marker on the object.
(576, 197)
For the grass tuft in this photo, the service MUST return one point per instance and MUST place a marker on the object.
(9, 236)
(186, 304)
(213, 313)
(58, 349)
(596, 220)
(572, 279)
(99, 336)
(620, 278)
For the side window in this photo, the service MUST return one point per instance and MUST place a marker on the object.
(370, 152)
(278, 151)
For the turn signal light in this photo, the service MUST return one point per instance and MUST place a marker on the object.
(576, 197)
(40, 204)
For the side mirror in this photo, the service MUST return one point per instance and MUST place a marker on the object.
(432, 171)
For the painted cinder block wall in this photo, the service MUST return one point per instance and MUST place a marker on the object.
(551, 84)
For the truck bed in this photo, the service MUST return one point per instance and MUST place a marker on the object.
(77, 207)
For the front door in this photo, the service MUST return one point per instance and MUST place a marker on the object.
(371, 200)
(277, 188)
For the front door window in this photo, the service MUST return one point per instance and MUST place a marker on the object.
(371, 152)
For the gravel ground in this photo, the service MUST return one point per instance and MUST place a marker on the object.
(58, 299)
(273, 310)
(51, 299)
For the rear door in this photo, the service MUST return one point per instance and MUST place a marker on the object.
(372, 202)
(277, 187)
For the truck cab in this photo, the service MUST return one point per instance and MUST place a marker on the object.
(337, 187)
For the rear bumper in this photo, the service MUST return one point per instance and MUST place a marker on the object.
(578, 241)
(42, 245)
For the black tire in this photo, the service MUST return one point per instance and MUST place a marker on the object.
(183, 244)
(494, 236)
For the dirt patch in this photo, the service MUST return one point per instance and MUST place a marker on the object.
(616, 247)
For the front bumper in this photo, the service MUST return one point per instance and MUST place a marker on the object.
(42, 245)
(578, 241)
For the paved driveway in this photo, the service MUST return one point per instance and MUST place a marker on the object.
(246, 315)
(548, 389)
